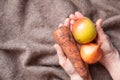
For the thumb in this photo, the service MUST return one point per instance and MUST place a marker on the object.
(99, 27)
(60, 53)
(101, 34)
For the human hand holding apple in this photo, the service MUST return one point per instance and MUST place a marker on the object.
(110, 53)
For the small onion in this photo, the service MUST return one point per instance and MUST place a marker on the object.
(91, 53)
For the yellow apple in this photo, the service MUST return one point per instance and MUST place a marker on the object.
(84, 30)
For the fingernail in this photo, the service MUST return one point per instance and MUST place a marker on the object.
(60, 25)
(66, 19)
(71, 15)
(78, 13)
(72, 21)
(55, 45)
(66, 22)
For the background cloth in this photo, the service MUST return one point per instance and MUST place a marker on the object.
(26, 36)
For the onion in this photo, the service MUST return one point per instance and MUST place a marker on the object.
(90, 53)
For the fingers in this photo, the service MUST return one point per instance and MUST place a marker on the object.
(78, 15)
(99, 25)
(101, 34)
(67, 22)
(64, 61)
(99, 28)
(72, 22)
(69, 68)
(61, 55)
(73, 17)
(103, 38)
(60, 25)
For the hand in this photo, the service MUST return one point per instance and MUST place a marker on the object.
(63, 60)
(66, 64)
(110, 57)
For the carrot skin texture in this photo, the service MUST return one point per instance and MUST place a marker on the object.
(64, 38)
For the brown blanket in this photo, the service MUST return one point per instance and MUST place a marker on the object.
(26, 41)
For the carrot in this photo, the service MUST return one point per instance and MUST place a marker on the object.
(64, 38)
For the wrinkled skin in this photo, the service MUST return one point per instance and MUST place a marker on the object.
(110, 57)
